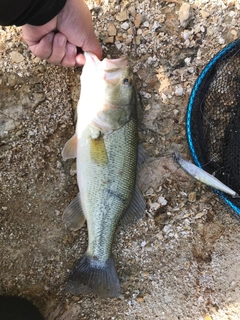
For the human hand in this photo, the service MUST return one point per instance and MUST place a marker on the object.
(74, 29)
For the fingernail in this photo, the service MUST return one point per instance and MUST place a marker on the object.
(50, 37)
(71, 49)
(61, 40)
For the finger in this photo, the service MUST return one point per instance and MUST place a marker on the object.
(58, 49)
(75, 21)
(70, 55)
(92, 45)
(43, 49)
(80, 59)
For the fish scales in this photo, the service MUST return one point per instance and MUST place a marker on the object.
(107, 189)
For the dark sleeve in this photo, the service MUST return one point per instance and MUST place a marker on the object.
(35, 12)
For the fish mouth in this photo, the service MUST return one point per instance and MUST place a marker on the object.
(110, 69)
(108, 65)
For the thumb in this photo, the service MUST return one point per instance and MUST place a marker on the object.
(91, 45)
(75, 22)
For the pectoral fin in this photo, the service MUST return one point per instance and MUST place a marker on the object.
(98, 151)
(135, 209)
(70, 149)
(73, 216)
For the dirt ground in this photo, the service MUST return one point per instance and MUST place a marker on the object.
(181, 261)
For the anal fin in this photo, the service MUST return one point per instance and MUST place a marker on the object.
(135, 209)
(73, 216)
(141, 154)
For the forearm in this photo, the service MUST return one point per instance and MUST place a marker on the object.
(35, 12)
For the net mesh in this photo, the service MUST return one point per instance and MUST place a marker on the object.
(213, 120)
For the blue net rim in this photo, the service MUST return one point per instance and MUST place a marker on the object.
(202, 77)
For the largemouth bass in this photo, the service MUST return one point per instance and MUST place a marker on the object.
(106, 147)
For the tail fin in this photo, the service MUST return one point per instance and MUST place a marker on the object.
(92, 275)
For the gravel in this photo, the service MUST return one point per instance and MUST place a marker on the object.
(181, 261)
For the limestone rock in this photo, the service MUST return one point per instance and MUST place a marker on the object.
(16, 56)
(122, 16)
(112, 31)
(185, 14)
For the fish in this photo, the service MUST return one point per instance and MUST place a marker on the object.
(105, 146)
(203, 176)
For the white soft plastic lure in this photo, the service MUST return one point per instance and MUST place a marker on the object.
(203, 176)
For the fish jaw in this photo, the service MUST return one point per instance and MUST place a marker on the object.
(107, 70)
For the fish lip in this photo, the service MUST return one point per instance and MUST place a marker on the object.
(108, 65)
(91, 56)
(115, 64)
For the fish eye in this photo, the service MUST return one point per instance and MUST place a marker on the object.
(127, 82)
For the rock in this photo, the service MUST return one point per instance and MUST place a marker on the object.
(209, 32)
(125, 25)
(162, 201)
(155, 171)
(234, 33)
(138, 40)
(112, 31)
(109, 40)
(128, 41)
(132, 11)
(16, 56)
(197, 29)
(185, 14)
(8, 118)
(146, 24)
(221, 40)
(73, 169)
(192, 197)
(187, 61)
(230, 3)
(122, 16)
(204, 14)
(138, 20)
(118, 45)
(186, 34)
(119, 37)
(129, 31)
(179, 91)
(154, 206)
(140, 299)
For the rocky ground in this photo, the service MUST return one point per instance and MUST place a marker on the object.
(181, 261)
